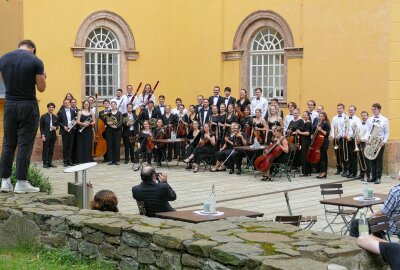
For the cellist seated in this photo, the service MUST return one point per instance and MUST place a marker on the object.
(277, 152)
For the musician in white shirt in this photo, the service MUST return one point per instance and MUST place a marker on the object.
(354, 126)
(129, 95)
(311, 108)
(338, 130)
(259, 102)
(289, 117)
(146, 96)
(120, 101)
(382, 123)
(363, 138)
(178, 102)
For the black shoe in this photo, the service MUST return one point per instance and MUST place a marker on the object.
(159, 164)
(116, 163)
(360, 177)
(239, 171)
(231, 171)
(110, 163)
(52, 165)
(188, 166)
(46, 166)
(337, 172)
(371, 180)
(305, 175)
(65, 164)
(350, 175)
(71, 164)
(378, 181)
(126, 161)
(368, 178)
(320, 177)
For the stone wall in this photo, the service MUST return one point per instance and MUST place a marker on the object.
(137, 242)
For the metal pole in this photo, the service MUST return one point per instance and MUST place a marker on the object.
(84, 188)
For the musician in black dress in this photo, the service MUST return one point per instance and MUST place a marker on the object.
(243, 101)
(221, 125)
(85, 123)
(246, 123)
(280, 141)
(113, 131)
(74, 154)
(273, 120)
(294, 143)
(260, 127)
(325, 129)
(305, 138)
(192, 115)
(214, 120)
(159, 148)
(144, 145)
(129, 128)
(193, 140)
(181, 131)
(206, 146)
(170, 121)
(231, 117)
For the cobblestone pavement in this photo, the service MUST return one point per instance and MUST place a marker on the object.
(243, 192)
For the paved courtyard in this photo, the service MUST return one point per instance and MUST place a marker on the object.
(244, 192)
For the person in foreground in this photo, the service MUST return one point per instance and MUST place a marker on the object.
(154, 191)
(22, 73)
(105, 200)
(390, 252)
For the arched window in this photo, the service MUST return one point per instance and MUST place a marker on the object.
(102, 58)
(267, 63)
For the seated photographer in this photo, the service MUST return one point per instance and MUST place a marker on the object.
(154, 191)
(391, 208)
(105, 200)
(390, 252)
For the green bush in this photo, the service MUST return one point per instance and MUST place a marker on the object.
(36, 178)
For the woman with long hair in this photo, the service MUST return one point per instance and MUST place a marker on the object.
(324, 128)
(85, 122)
(113, 134)
(146, 96)
(274, 120)
(243, 101)
(305, 139)
(260, 127)
(194, 138)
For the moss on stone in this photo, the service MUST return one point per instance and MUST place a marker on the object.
(200, 236)
(289, 234)
(268, 248)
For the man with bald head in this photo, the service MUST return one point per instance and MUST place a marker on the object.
(154, 191)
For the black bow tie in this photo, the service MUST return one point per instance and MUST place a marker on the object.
(363, 123)
(350, 117)
(290, 113)
(376, 116)
(162, 106)
(339, 116)
(118, 98)
(206, 110)
(129, 95)
(226, 98)
(258, 98)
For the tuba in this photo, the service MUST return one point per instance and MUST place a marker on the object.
(373, 147)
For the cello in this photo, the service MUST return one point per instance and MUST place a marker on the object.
(264, 162)
(99, 142)
(313, 154)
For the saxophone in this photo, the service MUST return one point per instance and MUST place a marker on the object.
(373, 147)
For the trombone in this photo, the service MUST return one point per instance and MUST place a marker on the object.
(344, 141)
(336, 147)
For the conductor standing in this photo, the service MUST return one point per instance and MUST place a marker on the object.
(21, 72)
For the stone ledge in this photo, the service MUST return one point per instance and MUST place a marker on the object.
(137, 242)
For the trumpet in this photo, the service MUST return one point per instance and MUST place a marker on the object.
(345, 149)
(335, 140)
(356, 135)
(88, 120)
(72, 124)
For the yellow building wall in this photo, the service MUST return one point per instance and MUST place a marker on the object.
(346, 48)
(11, 25)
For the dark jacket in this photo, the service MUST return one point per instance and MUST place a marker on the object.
(145, 115)
(231, 100)
(63, 120)
(45, 124)
(155, 197)
(220, 100)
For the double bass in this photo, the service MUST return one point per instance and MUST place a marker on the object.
(313, 154)
(99, 142)
(264, 162)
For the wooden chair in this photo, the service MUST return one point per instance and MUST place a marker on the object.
(284, 168)
(380, 224)
(141, 207)
(307, 221)
(292, 220)
(332, 213)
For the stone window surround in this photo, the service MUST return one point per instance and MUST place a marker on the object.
(121, 29)
(245, 33)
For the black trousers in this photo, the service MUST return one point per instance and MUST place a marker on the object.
(74, 154)
(363, 161)
(377, 165)
(305, 165)
(159, 152)
(129, 150)
(352, 157)
(202, 150)
(179, 147)
(48, 147)
(189, 150)
(113, 144)
(68, 143)
(237, 157)
(21, 122)
(223, 155)
(323, 162)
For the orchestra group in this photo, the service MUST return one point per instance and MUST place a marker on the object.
(218, 129)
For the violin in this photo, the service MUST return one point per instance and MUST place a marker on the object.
(264, 162)
(150, 143)
(205, 140)
(181, 128)
(161, 135)
(257, 135)
(239, 113)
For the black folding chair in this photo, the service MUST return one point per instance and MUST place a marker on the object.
(332, 213)
(284, 168)
(292, 220)
(380, 224)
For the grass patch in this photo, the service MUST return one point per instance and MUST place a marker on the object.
(29, 257)
(289, 234)
(200, 236)
(268, 248)
(36, 178)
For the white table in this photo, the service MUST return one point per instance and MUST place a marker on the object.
(76, 169)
